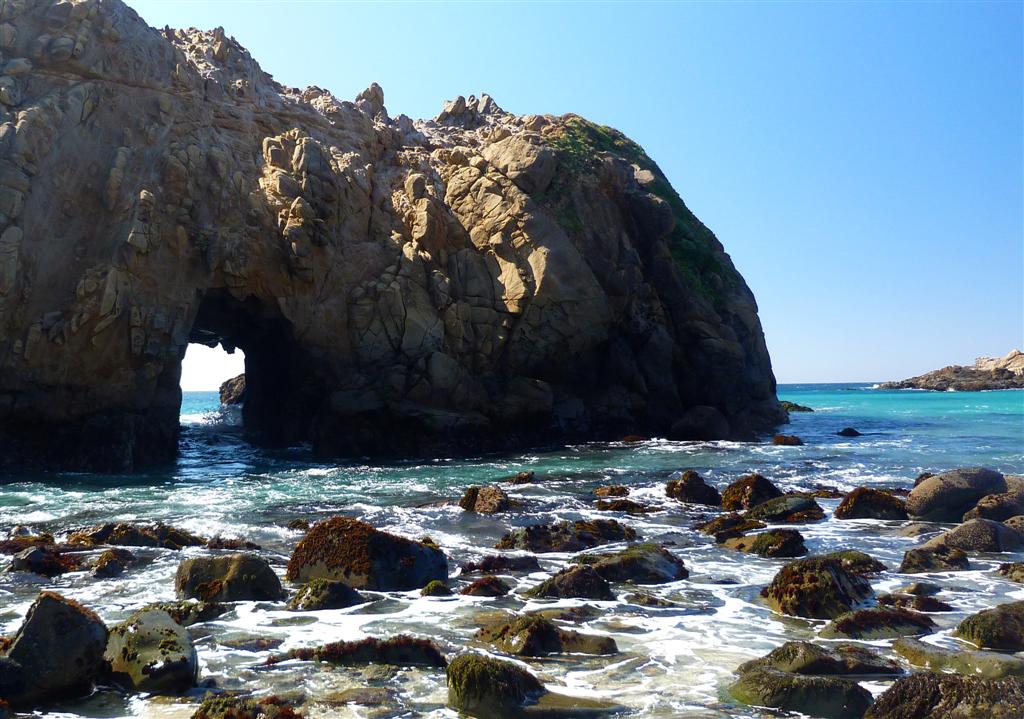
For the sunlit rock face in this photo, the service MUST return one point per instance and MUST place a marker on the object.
(478, 280)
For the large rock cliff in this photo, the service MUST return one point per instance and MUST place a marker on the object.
(476, 280)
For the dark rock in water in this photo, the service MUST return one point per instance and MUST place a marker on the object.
(486, 500)
(320, 594)
(566, 536)
(233, 544)
(19, 542)
(231, 706)
(365, 558)
(789, 508)
(624, 505)
(950, 695)
(794, 407)
(773, 543)
(878, 623)
(816, 587)
(849, 432)
(489, 586)
(640, 564)
(938, 559)
(857, 562)
(157, 534)
(57, 653)
(948, 496)
(834, 659)
(363, 696)
(985, 374)
(691, 488)
(987, 665)
(187, 613)
(700, 423)
(787, 440)
(728, 526)
(43, 560)
(581, 582)
(534, 636)
(524, 477)
(436, 588)
(1001, 627)
(979, 535)
(614, 490)
(748, 491)
(112, 563)
(232, 391)
(228, 578)
(1001, 506)
(914, 602)
(1014, 571)
(867, 503)
(402, 651)
(819, 696)
(649, 600)
(299, 524)
(498, 564)
(151, 653)
(921, 589)
(249, 643)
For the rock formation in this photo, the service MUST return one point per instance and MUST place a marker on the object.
(478, 279)
(986, 373)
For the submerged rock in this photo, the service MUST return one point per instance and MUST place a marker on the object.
(228, 578)
(187, 613)
(1001, 627)
(748, 491)
(491, 499)
(816, 587)
(43, 560)
(819, 696)
(365, 558)
(489, 586)
(878, 623)
(690, 487)
(950, 695)
(403, 651)
(566, 536)
(948, 496)
(936, 559)
(156, 534)
(624, 505)
(979, 535)
(867, 503)
(789, 508)
(152, 653)
(987, 665)
(640, 564)
(774, 543)
(535, 636)
(320, 594)
(582, 582)
(497, 564)
(832, 659)
(231, 706)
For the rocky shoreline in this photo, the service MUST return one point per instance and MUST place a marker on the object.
(343, 564)
(985, 374)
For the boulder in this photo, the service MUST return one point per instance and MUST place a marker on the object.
(152, 653)
(987, 665)
(491, 499)
(877, 623)
(402, 651)
(535, 636)
(319, 594)
(613, 490)
(43, 560)
(233, 706)
(950, 696)
(774, 543)
(365, 558)
(937, 559)
(828, 697)
(690, 487)
(748, 491)
(500, 564)
(112, 563)
(948, 496)
(566, 536)
(787, 440)
(489, 586)
(867, 503)
(816, 587)
(833, 659)
(789, 508)
(524, 477)
(232, 391)
(56, 653)
(727, 526)
(857, 562)
(639, 564)
(227, 578)
(979, 535)
(914, 602)
(1001, 627)
(624, 505)
(1014, 571)
(794, 407)
(436, 588)
(186, 613)
(582, 582)
(1003, 505)
(122, 534)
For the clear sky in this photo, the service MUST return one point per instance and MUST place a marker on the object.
(861, 162)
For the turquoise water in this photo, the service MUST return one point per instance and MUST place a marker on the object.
(674, 662)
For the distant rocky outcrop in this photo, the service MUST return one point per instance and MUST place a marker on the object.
(397, 286)
(986, 373)
(232, 391)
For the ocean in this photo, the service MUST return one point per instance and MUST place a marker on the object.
(673, 661)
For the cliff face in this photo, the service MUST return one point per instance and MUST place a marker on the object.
(476, 279)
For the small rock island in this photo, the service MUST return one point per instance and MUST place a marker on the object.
(985, 374)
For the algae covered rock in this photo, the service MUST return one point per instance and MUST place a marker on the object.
(532, 635)
(112, 563)
(490, 499)
(489, 586)
(582, 582)
(566, 536)
(227, 578)
(794, 407)
(832, 659)
(789, 508)
(122, 534)
(934, 559)
(612, 490)
(230, 706)
(690, 487)
(730, 525)
(1001, 627)
(43, 560)
(152, 653)
(857, 562)
(773, 543)
(186, 613)
(500, 564)
(320, 594)
(816, 587)
(627, 506)
(639, 564)
(436, 588)
(867, 503)
(987, 665)
(404, 651)
(749, 491)
(354, 552)
(1014, 571)
(828, 697)
(950, 696)
(878, 623)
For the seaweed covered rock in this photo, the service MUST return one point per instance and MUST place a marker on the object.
(365, 558)
(979, 535)
(403, 651)
(727, 526)
(57, 653)
(639, 564)
(566, 536)
(915, 602)
(789, 508)
(950, 696)
(987, 665)
(787, 440)
(1014, 571)
(489, 586)
(749, 491)
(612, 490)
(320, 594)
(580, 582)
(934, 559)
(690, 487)
(773, 543)
(122, 534)
(857, 562)
(805, 688)
(946, 497)
(436, 588)
(1001, 627)
(44, 560)
(490, 499)
(794, 407)
(112, 563)
(186, 613)
(227, 578)
(536, 636)
(867, 503)
(878, 623)
(816, 587)
(501, 564)
(833, 659)
(152, 653)
(230, 706)
(627, 506)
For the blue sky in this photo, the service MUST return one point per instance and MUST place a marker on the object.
(861, 162)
